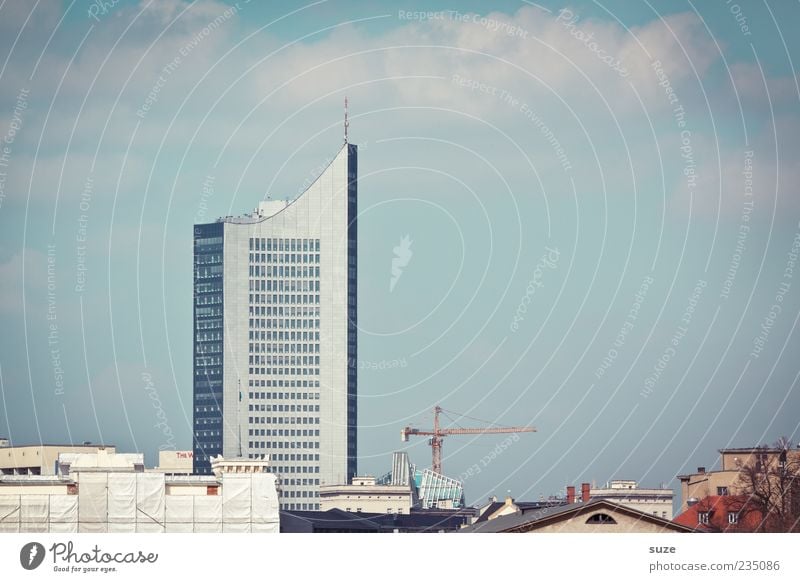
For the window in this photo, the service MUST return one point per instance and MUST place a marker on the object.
(601, 518)
(702, 517)
(733, 517)
(722, 490)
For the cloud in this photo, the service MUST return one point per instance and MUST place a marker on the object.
(750, 85)
(766, 168)
(555, 63)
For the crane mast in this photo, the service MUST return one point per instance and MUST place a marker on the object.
(438, 433)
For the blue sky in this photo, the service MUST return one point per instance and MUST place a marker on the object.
(601, 198)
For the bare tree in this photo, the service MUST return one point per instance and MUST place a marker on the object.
(770, 481)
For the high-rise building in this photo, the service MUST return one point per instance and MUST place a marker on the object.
(275, 335)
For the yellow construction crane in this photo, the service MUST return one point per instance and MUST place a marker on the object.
(438, 433)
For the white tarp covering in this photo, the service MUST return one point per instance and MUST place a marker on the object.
(208, 513)
(63, 514)
(93, 503)
(34, 513)
(180, 513)
(121, 502)
(236, 502)
(150, 504)
(9, 513)
(265, 517)
(136, 502)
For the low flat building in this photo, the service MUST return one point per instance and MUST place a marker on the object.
(366, 495)
(39, 459)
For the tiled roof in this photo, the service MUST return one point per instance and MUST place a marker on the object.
(718, 507)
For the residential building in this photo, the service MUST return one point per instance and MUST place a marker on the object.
(593, 516)
(108, 492)
(275, 313)
(725, 481)
(39, 459)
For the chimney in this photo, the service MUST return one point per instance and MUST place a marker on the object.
(570, 494)
(585, 488)
(701, 470)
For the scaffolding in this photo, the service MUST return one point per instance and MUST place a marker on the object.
(124, 502)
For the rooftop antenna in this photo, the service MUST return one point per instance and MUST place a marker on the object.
(346, 123)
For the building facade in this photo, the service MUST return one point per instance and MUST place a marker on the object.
(400, 491)
(175, 462)
(275, 315)
(39, 459)
(365, 495)
(726, 481)
(655, 501)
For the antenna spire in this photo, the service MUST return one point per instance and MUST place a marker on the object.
(346, 122)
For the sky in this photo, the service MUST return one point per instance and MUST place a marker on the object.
(581, 217)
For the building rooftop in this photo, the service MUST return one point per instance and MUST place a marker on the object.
(542, 514)
(35, 480)
(191, 479)
(57, 445)
(717, 507)
(338, 520)
(762, 449)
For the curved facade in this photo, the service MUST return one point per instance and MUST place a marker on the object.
(275, 315)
